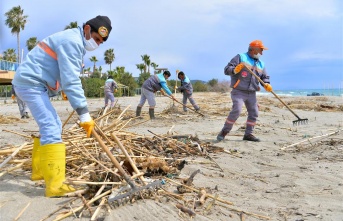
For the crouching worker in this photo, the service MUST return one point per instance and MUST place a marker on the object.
(186, 89)
(150, 86)
(54, 65)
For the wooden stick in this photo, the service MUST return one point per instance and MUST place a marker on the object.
(81, 207)
(196, 190)
(13, 168)
(12, 155)
(71, 114)
(10, 131)
(103, 116)
(185, 210)
(22, 211)
(128, 158)
(96, 212)
(77, 182)
(322, 136)
(245, 212)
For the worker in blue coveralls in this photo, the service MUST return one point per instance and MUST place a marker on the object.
(55, 64)
(186, 89)
(109, 88)
(153, 84)
(244, 86)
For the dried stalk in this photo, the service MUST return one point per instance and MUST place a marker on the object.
(81, 207)
(96, 212)
(22, 211)
(322, 136)
(197, 191)
(12, 155)
(10, 131)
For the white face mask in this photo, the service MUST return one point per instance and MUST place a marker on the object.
(257, 56)
(91, 45)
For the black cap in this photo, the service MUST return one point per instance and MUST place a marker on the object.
(167, 73)
(180, 73)
(101, 24)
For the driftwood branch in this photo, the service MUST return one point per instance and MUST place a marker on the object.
(309, 139)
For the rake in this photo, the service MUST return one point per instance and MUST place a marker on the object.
(295, 122)
(183, 104)
(129, 192)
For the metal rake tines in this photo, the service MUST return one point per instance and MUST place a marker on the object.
(300, 122)
(135, 192)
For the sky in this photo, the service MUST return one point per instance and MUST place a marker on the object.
(199, 37)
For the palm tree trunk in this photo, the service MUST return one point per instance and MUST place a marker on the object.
(18, 38)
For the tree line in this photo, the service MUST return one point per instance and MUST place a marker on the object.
(94, 78)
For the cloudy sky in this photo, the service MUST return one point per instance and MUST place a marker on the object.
(304, 37)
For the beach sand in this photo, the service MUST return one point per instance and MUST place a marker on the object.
(271, 179)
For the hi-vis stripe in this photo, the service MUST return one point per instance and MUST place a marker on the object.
(47, 50)
(229, 121)
(53, 54)
(251, 123)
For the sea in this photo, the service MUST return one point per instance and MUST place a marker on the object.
(305, 92)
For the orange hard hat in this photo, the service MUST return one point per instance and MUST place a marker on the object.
(257, 44)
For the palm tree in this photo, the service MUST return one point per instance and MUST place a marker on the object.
(16, 20)
(9, 55)
(94, 60)
(31, 43)
(154, 65)
(109, 57)
(146, 60)
(140, 67)
(71, 25)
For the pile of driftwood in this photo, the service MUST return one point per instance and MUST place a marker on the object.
(145, 160)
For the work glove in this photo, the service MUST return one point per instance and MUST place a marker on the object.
(268, 87)
(87, 123)
(13, 96)
(64, 96)
(238, 68)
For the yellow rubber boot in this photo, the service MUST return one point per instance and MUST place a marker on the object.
(36, 172)
(53, 166)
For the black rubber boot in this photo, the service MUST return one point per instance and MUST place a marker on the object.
(152, 114)
(138, 111)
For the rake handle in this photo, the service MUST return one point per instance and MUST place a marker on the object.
(185, 105)
(259, 79)
(113, 159)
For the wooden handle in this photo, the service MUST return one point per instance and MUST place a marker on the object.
(259, 79)
(186, 106)
(113, 159)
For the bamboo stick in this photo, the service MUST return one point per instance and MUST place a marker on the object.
(10, 131)
(22, 211)
(96, 212)
(81, 207)
(128, 158)
(322, 136)
(70, 115)
(12, 155)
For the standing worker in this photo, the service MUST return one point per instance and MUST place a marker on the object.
(150, 86)
(186, 89)
(23, 109)
(244, 86)
(110, 86)
(53, 65)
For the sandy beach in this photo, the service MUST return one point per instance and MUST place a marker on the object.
(294, 173)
